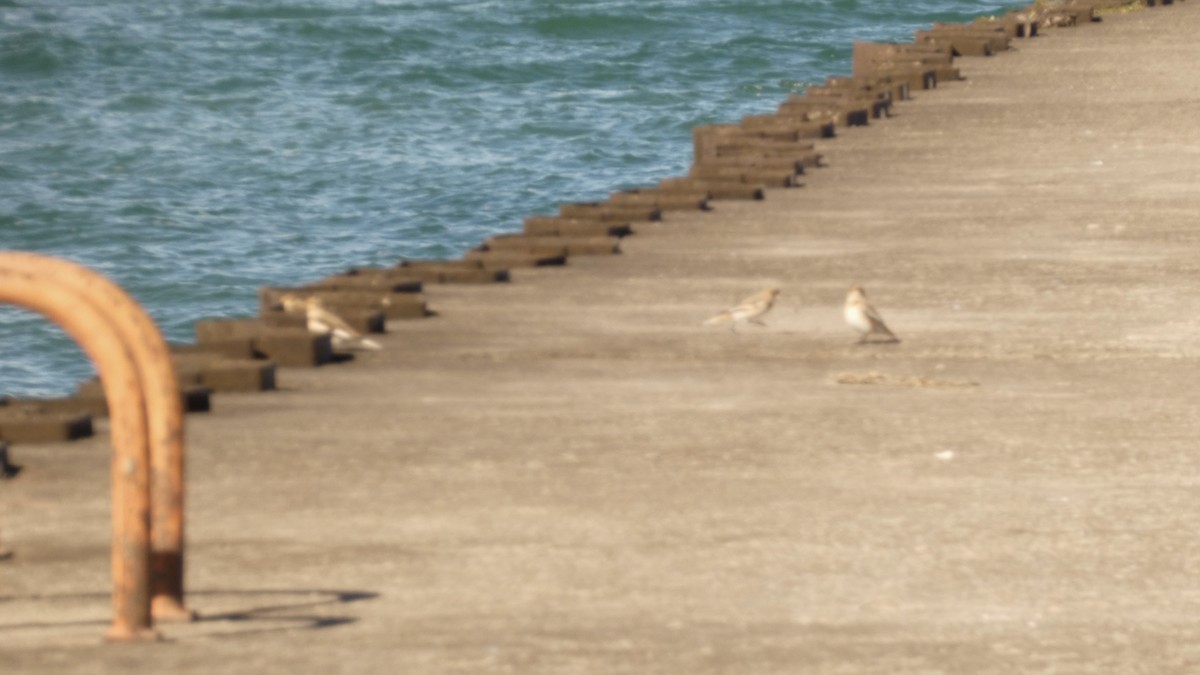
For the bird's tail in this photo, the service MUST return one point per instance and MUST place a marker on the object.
(368, 343)
(881, 327)
(720, 318)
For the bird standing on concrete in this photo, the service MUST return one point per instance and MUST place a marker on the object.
(748, 311)
(322, 321)
(863, 318)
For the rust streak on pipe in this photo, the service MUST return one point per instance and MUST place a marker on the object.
(164, 419)
(94, 333)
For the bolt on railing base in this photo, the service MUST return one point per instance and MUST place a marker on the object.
(126, 634)
(168, 609)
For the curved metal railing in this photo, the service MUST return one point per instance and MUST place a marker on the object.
(146, 428)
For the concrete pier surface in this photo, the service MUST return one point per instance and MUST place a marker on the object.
(569, 474)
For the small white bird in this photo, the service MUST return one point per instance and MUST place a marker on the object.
(863, 318)
(321, 320)
(748, 310)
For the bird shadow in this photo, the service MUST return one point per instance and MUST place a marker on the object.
(276, 610)
(868, 343)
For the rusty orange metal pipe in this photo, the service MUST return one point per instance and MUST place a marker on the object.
(93, 332)
(164, 418)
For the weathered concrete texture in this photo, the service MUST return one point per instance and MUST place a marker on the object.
(568, 474)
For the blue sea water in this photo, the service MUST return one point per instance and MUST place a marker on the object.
(195, 150)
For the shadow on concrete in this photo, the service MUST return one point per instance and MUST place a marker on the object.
(285, 614)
